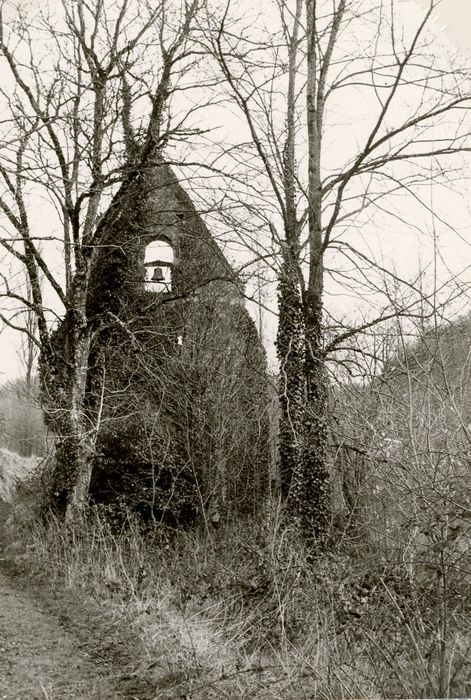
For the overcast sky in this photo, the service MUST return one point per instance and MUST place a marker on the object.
(454, 19)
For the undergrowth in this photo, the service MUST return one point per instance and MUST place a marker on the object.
(245, 613)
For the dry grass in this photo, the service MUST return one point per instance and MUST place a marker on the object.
(246, 614)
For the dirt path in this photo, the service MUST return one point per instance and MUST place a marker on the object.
(38, 658)
(54, 647)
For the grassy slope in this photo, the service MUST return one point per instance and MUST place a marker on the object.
(13, 469)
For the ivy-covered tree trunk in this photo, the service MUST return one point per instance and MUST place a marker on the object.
(303, 407)
(64, 372)
(303, 391)
(315, 497)
(290, 350)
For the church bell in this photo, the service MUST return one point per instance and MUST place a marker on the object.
(158, 275)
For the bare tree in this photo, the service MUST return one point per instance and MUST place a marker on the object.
(287, 77)
(86, 110)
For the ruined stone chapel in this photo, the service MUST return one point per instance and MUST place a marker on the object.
(183, 386)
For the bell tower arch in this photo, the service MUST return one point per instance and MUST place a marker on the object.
(158, 265)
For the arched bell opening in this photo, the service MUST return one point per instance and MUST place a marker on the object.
(158, 265)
